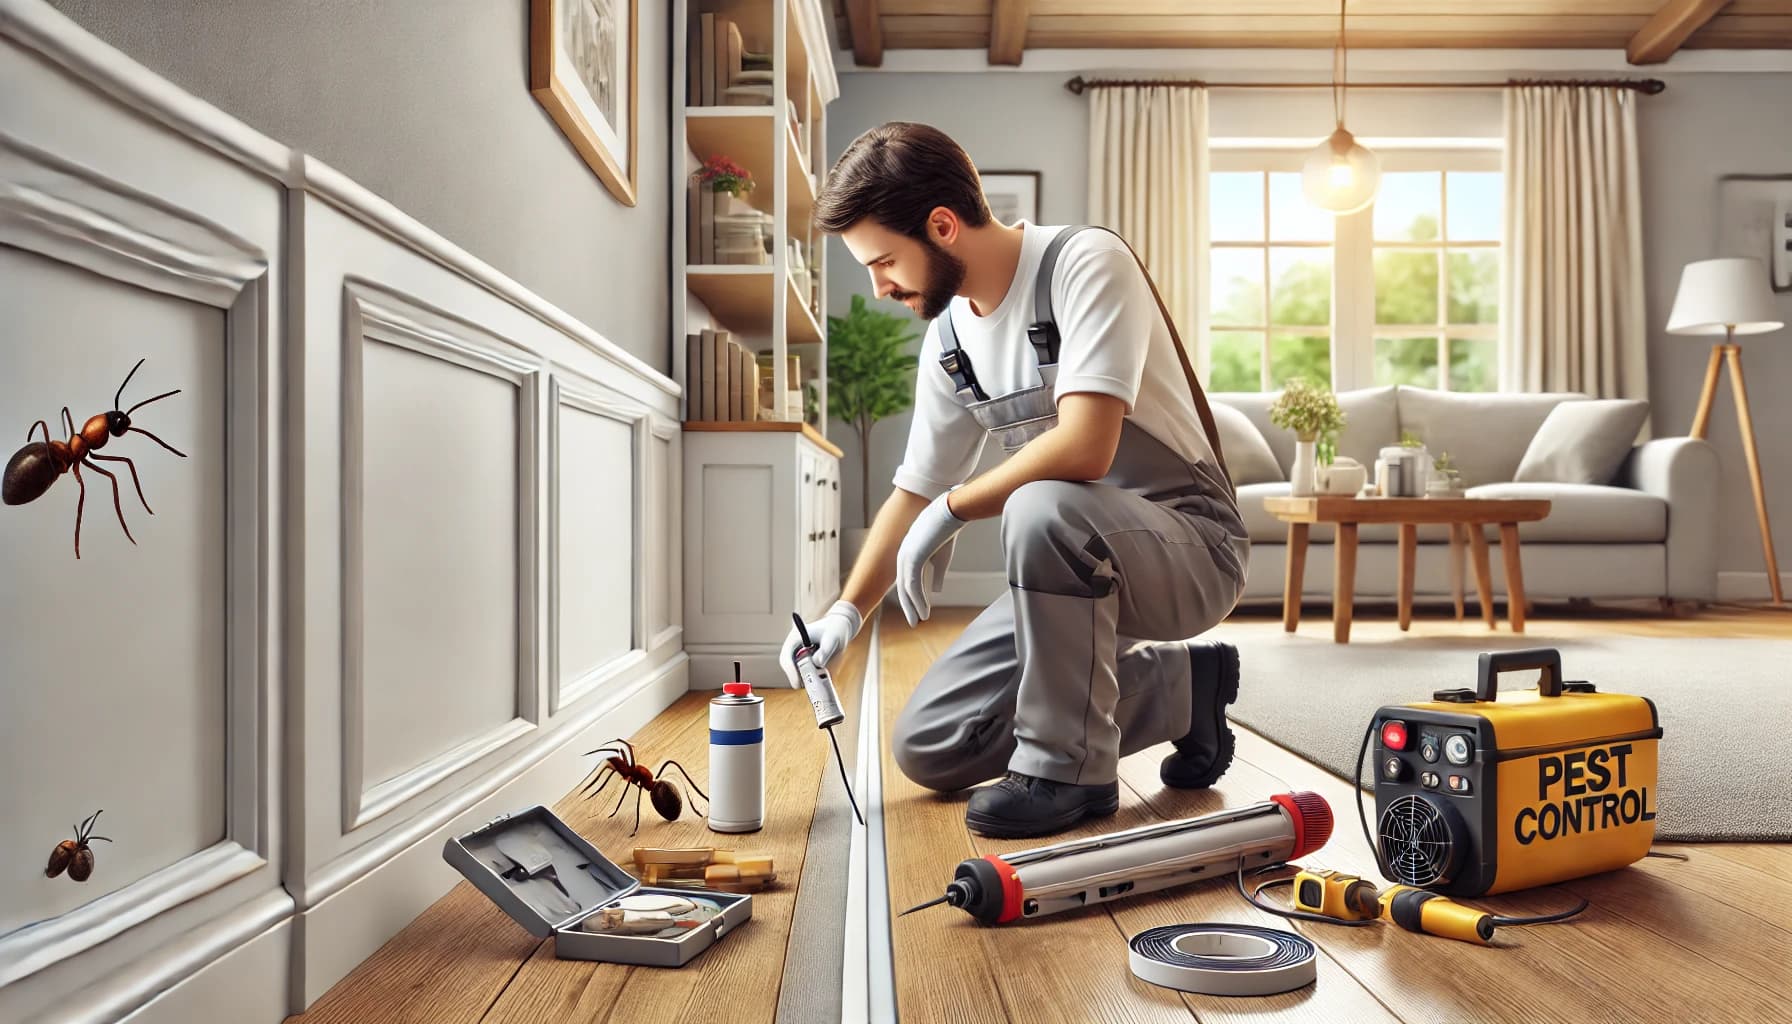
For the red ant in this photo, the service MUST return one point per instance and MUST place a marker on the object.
(74, 854)
(36, 466)
(666, 799)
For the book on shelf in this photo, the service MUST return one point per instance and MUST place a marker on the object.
(722, 378)
(706, 57)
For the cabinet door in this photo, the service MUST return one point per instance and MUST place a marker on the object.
(806, 532)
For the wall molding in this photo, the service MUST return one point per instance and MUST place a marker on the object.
(34, 947)
(378, 315)
(342, 871)
(77, 215)
(566, 392)
(355, 201)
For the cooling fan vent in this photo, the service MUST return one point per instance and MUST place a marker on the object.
(1419, 841)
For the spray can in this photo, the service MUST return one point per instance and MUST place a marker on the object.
(737, 758)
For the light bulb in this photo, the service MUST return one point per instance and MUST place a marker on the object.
(1340, 174)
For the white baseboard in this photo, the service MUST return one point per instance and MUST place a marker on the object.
(1749, 586)
(246, 984)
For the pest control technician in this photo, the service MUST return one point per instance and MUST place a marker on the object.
(1120, 529)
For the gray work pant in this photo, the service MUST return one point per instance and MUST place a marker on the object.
(1085, 659)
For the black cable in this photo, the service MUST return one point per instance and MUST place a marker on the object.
(1669, 856)
(841, 761)
(1293, 915)
(1356, 783)
(1506, 922)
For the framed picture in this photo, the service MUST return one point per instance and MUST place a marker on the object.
(1012, 195)
(583, 69)
(1754, 217)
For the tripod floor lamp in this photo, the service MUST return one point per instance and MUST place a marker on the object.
(1730, 297)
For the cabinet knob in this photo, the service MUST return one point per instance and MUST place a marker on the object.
(812, 536)
(805, 478)
(833, 533)
(836, 485)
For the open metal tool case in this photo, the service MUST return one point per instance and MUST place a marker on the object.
(591, 882)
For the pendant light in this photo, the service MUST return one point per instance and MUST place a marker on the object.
(1341, 175)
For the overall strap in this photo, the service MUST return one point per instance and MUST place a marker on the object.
(1045, 330)
(955, 362)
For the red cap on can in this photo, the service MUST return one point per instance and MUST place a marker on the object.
(737, 688)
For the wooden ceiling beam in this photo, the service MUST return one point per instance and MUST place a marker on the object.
(1008, 31)
(862, 21)
(1670, 26)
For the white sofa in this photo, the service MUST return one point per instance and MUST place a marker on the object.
(1652, 532)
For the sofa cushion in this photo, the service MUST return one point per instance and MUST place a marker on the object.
(1371, 416)
(1248, 457)
(1585, 513)
(1583, 442)
(1485, 434)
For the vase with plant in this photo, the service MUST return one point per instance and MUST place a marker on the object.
(871, 376)
(1311, 411)
(723, 176)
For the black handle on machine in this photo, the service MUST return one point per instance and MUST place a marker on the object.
(1548, 659)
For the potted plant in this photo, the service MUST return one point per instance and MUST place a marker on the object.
(722, 175)
(1311, 411)
(871, 376)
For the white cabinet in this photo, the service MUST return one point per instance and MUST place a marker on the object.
(762, 540)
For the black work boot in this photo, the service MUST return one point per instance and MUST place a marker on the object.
(1024, 805)
(1204, 754)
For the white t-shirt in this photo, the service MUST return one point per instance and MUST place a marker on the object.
(1113, 341)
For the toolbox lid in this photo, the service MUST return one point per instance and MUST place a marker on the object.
(492, 857)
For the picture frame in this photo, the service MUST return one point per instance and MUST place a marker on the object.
(1013, 195)
(584, 68)
(1754, 218)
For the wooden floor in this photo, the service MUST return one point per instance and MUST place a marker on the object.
(462, 960)
(1663, 940)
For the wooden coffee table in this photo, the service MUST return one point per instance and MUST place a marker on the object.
(1461, 515)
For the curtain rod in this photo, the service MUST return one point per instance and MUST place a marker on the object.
(1646, 86)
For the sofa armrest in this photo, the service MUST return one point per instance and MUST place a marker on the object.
(1683, 472)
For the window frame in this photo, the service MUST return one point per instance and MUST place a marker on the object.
(1353, 330)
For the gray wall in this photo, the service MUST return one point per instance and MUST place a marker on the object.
(426, 103)
(1702, 127)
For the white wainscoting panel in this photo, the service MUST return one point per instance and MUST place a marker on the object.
(599, 454)
(139, 678)
(333, 645)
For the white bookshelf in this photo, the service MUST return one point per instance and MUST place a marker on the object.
(761, 498)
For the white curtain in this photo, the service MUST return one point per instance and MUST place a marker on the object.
(1148, 182)
(1572, 313)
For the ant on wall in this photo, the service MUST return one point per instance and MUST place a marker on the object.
(36, 466)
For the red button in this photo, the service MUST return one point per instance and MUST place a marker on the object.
(1393, 735)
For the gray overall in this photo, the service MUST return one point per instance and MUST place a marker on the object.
(1082, 662)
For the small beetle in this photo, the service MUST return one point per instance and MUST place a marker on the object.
(74, 854)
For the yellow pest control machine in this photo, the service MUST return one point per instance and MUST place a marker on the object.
(1479, 792)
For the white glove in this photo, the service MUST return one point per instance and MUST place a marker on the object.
(929, 543)
(831, 633)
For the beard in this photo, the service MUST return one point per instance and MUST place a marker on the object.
(945, 275)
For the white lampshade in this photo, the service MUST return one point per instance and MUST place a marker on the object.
(1340, 174)
(1723, 293)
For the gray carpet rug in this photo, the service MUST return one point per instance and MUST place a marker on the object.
(1725, 707)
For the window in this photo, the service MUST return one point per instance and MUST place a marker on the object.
(1405, 292)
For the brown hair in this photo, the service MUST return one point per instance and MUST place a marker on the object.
(896, 174)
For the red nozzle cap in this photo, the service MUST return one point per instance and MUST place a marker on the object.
(737, 688)
(1312, 818)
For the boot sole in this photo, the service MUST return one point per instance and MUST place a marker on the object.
(999, 828)
(1228, 692)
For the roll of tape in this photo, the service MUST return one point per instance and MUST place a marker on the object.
(1223, 959)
